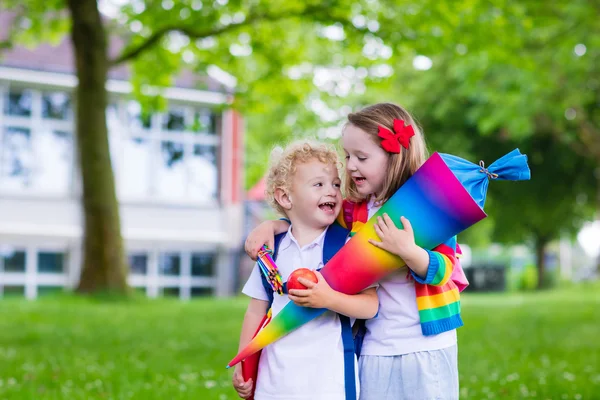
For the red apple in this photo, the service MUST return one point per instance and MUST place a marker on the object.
(305, 273)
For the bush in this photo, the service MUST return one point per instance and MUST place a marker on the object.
(528, 279)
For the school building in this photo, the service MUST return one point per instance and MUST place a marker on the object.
(179, 178)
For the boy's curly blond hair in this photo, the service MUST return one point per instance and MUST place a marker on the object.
(284, 162)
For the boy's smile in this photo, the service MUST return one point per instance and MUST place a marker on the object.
(315, 195)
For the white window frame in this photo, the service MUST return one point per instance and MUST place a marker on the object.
(34, 124)
(152, 283)
(156, 135)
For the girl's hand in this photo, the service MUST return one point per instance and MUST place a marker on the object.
(316, 295)
(262, 234)
(396, 241)
(243, 389)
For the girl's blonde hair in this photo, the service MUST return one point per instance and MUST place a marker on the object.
(400, 166)
(284, 163)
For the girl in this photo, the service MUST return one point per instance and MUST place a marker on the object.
(410, 347)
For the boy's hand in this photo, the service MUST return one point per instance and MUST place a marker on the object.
(244, 389)
(262, 234)
(316, 295)
(396, 241)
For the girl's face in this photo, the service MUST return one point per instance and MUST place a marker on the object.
(366, 162)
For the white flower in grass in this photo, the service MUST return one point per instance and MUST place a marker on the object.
(512, 377)
(210, 384)
(569, 376)
(207, 373)
(542, 380)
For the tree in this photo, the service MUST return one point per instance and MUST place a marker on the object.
(249, 38)
(509, 69)
(519, 74)
(558, 199)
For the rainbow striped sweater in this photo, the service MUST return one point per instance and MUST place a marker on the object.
(438, 297)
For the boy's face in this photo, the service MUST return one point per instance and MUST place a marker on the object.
(315, 194)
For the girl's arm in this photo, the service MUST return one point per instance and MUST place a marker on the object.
(264, 234)
(438, 266)
(363, 305)
(428, 267)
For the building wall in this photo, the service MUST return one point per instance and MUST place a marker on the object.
(178, 179)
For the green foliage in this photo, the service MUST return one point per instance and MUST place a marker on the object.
(515, 74)
(36, 20)
(560, 197)
(504, 74)
(527, 279)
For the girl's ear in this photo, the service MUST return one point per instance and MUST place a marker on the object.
(283, 198)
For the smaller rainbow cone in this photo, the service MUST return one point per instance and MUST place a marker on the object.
(269, 270)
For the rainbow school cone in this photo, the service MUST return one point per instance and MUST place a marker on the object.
(443, 198)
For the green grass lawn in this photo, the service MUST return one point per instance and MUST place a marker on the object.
(540, 345)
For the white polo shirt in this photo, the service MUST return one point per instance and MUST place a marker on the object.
(308, 363)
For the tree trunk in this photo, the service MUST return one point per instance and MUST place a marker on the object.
(597, 175)
(540, 259)
(104, 268)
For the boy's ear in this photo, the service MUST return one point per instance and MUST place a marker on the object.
(283, 198)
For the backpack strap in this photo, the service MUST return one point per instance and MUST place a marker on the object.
(265, 283)
(361, 331)
(335, 239)
(348, 343)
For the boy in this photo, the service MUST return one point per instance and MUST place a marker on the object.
(303, 184)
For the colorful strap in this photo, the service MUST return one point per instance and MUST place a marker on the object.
(269, 269)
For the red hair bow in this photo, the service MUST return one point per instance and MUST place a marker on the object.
(392, 140)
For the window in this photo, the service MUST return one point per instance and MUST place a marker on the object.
(203, 264)
(138, 263)
(51, 262)
(203, 173)
(49, 290)
(56, 105)
(205, 121)
(171, 173)
(54, 159)
(169, 264)
(18, 103)
(169, 156)
(17, 158)
(36, 141)
(12, 260)
(170, 291)
(136, 120)
(13, 290)
(175, 120)
(202, 291)
(135, 174)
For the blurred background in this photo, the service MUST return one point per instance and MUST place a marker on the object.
(134, 139)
